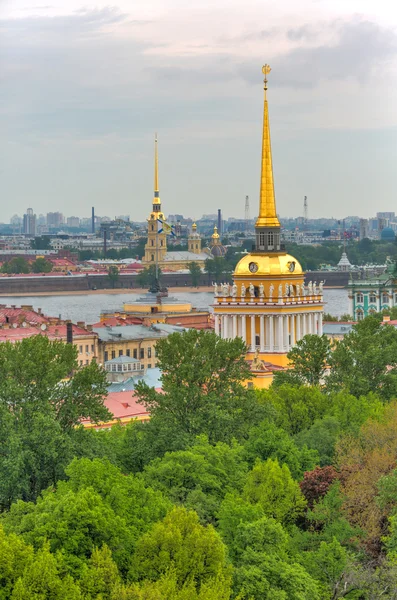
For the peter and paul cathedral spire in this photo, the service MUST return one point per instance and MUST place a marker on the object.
(267, 226)
(156, 246)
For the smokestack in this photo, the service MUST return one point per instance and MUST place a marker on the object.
(105, 235)
(93, 220)
(219, 221)
(69, 333)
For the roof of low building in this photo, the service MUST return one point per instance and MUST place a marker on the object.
(182, 255)
(136, 332)
(337, 327)
(120, 360)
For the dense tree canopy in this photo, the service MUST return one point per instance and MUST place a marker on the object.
(225, 494)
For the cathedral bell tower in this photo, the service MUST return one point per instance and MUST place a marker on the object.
(156, 245)
(194, 241)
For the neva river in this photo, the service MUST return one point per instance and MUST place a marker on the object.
(88, 307)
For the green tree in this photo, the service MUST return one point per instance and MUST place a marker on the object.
(199, 477)
(41, 265)
(365, 360)
(16, 265)
(41, 579)
(14, 556)
(273, 488)
(100, 575)
(43, 396)
(203, 390)
(266, 440)
(179, 543)
(296, 407)
(97, 505)
(147, 277)
(195, 273)
(113, 274)
(308, 361)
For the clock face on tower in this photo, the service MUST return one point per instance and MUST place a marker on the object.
(253, 267)
(291, 267)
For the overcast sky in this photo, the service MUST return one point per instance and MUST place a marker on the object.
(84, 87)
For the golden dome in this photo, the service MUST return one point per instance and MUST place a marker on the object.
(259, 265)
(194, 226)
(215, 235)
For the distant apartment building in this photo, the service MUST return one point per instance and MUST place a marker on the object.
(73, 222)
(364, 229)
(29, 222)
(389, 216)
(54, 219)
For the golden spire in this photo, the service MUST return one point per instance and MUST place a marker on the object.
(267, 203)
(215, 235)
(156, 199)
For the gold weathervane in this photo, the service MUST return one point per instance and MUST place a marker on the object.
(266, 70)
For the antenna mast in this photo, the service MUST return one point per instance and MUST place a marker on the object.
(247, 217)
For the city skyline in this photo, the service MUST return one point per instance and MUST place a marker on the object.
(86, 86)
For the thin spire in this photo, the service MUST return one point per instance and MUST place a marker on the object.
(156, 199)
(267, 202)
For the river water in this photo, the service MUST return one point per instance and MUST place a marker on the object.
(88, 307)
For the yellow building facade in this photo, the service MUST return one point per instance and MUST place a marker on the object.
(268, 306)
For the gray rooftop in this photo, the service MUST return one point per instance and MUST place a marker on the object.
(136, 332)
(152, 377)
(120, 360)
(336, 328)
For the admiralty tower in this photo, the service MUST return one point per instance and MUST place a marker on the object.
(268, 305)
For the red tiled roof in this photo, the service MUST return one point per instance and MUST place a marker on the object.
(123, 406)
(15, 334)
(20, 315)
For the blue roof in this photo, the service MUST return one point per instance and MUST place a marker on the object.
(152, 377)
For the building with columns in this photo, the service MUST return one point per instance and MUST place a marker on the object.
(268, 305)
(156, 245)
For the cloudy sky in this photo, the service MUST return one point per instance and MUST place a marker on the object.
(84, 87)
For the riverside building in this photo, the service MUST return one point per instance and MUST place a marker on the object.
(268, 305)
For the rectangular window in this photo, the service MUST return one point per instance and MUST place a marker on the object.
(81, 363)
(86, 348)
(119, 367)
(120, 353)
(135, 353)
(149, 353)
(92, 348)
(149, 366)
(106, 356)
(142, 367)
(142, 353)
(86, 362)
(261, 239)
(128, 352)
(81, 349)
(113, 353)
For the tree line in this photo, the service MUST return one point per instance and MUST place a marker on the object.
(225, 493)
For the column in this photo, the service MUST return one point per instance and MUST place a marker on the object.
(298, 327)
(292, 330)
(234, 326)
(304, 325)
(315, 321)
(262, 333)
(320, 323)
(280, 338)
(271, 334)
(225, 327)
(286, 333)
(253, 345)
(244, 328)
(217, 324)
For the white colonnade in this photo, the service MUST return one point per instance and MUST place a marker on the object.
(269, 333)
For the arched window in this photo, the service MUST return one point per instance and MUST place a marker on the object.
(372, 311)
(385, 298)
(360, 315)
(261, 239)
(360, 297)
(161, 242)
(152, 242)
(152, 227)
(372, 298)
(153, 257)
(270, 239)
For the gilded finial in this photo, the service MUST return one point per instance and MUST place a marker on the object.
(266, 70)
(267, 203)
